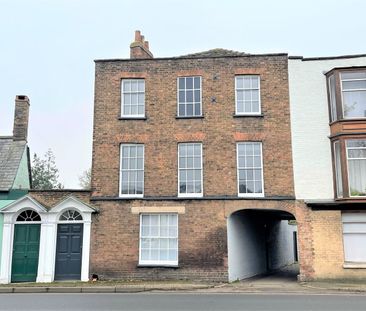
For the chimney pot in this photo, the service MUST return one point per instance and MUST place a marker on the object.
(140, 48)
(137, 35)
(21, 117)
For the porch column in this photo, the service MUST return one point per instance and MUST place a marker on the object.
(5, 269)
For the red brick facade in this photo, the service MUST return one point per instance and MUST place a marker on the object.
(202, 228)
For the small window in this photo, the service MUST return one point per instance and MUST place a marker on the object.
(159, 239)
(247, 95)
(133, 98)
(190, 169)
(71, 215)
(354, 237)
(338, 169)
(132, 170)
(29, 215)
(356, 158)
(354, 94)
(189, 97)
(250, 171)
(332, 97)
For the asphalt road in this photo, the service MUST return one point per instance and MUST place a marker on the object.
(182, 301)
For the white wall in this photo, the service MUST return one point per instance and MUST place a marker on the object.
(246, 247)
(281, 246)
(310, 125)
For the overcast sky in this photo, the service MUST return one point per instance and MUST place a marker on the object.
(47, 48)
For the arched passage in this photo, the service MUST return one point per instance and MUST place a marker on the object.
(259, 242)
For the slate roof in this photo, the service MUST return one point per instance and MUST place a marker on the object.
(214, 53)
(11, 153)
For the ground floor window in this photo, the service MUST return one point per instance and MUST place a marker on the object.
(158, 239)
(354, 237)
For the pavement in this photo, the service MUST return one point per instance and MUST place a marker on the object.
(284, 281)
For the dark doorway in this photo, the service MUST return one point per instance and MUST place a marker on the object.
(69, 252)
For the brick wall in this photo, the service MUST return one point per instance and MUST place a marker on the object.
(202, 238)
(218, 130)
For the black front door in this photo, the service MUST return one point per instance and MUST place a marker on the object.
(69, 252)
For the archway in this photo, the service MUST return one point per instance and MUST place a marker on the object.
(260, 242)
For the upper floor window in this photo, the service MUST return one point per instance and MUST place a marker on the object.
(347, 94)
(354, 94)
(247, 95)
(190, 169)
(356, 158)
(133, 98)
(250, 169)
(189, 97)
(132, 170)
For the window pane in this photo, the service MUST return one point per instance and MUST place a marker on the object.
(356, 143)
(134, 86)
(338, 169)
(141, 85)
(197, 109)
(189, 83)
(332, 97)
(197, 83)
(353, 75)
(239, 82)
(189, 108)
(255, 82)
(189, 96)
(126, 86)
(182, 96)
(182, 110)
(354, 104)
(354, 85)
(181, 82)
(197, 96)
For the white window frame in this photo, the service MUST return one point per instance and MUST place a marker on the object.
(350, 159)
(353, 90)
(259, 96)
(158, 262)
(352, 219)
(238, 168)
(132, 116)
(192, 116)
(120, 173)
(191, 195)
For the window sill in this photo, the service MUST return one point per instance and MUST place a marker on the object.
(131, 197)
(190, 196)
(190, 117)
(257, 195)
(259, 115)
(132, 118)
(354, 265)
(158, 266)
(358, 119)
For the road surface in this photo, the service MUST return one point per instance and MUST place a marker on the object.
(183, 301)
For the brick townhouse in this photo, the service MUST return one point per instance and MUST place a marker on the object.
(192, 166)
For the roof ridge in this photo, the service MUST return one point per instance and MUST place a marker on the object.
(216, 52)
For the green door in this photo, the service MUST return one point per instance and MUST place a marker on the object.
(25, 253)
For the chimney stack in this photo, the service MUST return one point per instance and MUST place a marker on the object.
(21, 116)
(140, 48)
